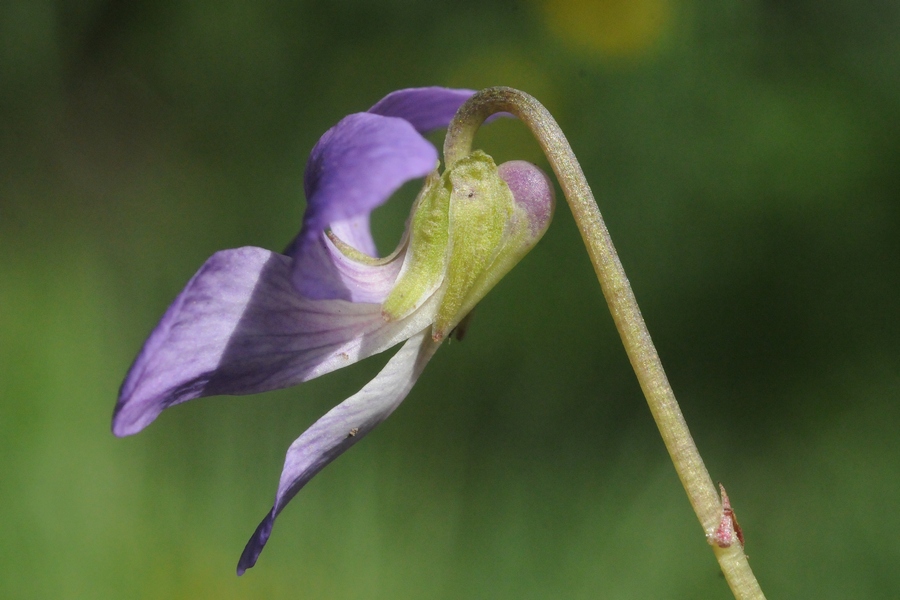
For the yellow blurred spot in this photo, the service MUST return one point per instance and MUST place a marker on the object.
(608, 27)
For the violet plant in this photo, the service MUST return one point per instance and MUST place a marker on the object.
(253, 320)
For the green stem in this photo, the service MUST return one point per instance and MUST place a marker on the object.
(622, 304)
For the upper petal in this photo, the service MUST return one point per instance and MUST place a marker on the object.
(340, 428)
(359, 163)
(239, 327)
(354, 168)
(427, 108)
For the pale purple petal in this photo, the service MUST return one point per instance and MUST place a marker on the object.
(354, 168)
(427, 108)
(340, 428)
(239, 327)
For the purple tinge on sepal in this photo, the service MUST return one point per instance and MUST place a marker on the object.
(532, 190)
(239, 327)
(341, 427)
(354, 168)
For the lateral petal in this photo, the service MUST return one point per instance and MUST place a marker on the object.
(239, 327)
(342, 427)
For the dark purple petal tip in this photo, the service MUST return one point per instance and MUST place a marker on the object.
(256, 544)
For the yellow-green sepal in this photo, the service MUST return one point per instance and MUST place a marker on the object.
(481, 206)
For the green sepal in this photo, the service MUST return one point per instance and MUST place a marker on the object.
(481, 206)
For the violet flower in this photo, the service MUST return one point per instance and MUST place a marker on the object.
(252, 320)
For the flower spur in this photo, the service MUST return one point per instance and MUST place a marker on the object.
(252, 320)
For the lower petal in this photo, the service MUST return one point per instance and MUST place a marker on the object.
(340, 428)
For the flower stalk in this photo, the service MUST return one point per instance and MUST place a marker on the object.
(622, 304)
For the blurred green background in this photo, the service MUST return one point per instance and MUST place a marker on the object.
(745, 156)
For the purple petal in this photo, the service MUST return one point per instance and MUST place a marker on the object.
(427, 108)
(359, 163)
(354, 168)
(323, 271)
(340, 428)
(239, 327)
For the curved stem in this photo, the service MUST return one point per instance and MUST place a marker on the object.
(622, 304)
